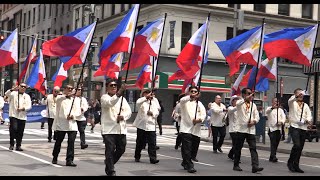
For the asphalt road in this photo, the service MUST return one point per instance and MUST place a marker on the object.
(36, 158)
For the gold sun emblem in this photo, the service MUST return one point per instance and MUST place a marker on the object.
(129, 28)
(307, 44)
(256, 44)
(150, 68)
(40, 66)
(154, 35)
(14, 42)
(270, 63)
(118, 59)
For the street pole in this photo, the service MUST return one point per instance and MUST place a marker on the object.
(235, 18)
(91, 20)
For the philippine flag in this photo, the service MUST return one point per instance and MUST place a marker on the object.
(235, 90)
(145, 75)
(268, 68)
(114, 65)
(243, 48)
(262, 83)
(190, 82)
(146, 43)
(190, 53)
(120, 39)
(9, 50)
(37, 78)
(69, 44)
(294, 44)
(80, 56)
(31, 56)
(60, 76)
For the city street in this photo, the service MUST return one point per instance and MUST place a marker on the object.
(36, 158)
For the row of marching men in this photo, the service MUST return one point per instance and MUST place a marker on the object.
(241, 117)
(69, 107)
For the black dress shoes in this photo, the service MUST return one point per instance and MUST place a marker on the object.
(19, 148)
(71, 164)
(220, 150)
(237, 168)
(290, 167)
(113, 173)
(154, 161)
(137, 160)
(297, 169)
(192, 170)
(195, 159)
(54, 161)
(11, 148)
(84, 146)
(256, 169)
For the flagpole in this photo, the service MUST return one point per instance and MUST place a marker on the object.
(18, 61)
(202, 62)
(126, 77)
(278, 94)
(259, 58)
(315, 41)
(84, 63)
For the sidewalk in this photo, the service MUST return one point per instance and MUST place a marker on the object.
(310, 149)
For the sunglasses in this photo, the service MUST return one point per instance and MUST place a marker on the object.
(23, 86)
(79, 89)
(193, 91)
(113, 85)
(70, 88)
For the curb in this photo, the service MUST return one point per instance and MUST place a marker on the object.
(280, 150)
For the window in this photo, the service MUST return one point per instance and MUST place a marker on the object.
(34, 16)
(307, 11)
(39, 13)
(77, 20)
(139, 28)
(68, 28)
(57, 9)
(113, 9)
(129, 6)
(49, 32)
(61, 31)
(27, 39)
(284, 9)
(50, 9)
(42, 34)
(122, 7)
(29, 18)
(100, 40)
(230, 32)
(185, 33)
(22, 46)
(62, 8)
(232, 6)
(102, 11)
(200, 24)
(44, 11)
(259, 7)
(24, 20)
(69, 7)
(285, 61)
(83, 16)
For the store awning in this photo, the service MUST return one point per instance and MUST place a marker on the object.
(315, 67)
(215, 84)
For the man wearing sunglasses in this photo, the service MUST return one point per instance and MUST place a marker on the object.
(113, 124)
(50, 101)
(298, 127)
(245, 122)
(65, 123)
(193, 114)
(81, 105)
(19, 104)
(145, 122)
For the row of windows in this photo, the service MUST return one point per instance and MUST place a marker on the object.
(283, 9)
(27, 15)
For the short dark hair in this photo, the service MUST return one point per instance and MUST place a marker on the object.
(244, 90)
(110, 80)
(181, 96)
(296, 90)
(194, 87)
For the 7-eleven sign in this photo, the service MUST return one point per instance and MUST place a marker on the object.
(156, 82)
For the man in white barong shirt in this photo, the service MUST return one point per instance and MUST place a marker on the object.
(145, 122)
(298, 127)
(274, 125)
(18, 107)
(190, 126)
(245, 122)
(64, 123)
(82, 106)
(113, 124)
